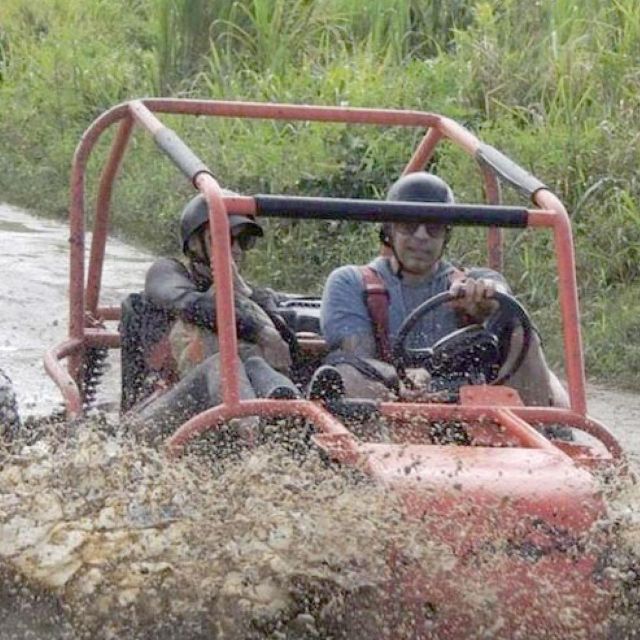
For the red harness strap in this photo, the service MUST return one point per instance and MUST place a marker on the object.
(376, 298)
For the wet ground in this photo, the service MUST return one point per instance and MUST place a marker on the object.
(33, 293)
(103, 498)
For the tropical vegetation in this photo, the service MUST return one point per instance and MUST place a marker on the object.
(553, 83)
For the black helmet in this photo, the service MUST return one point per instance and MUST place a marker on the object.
(196, 214)
(416, 187)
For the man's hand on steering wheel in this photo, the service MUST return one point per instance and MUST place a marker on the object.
(473, 297)
(472, 351)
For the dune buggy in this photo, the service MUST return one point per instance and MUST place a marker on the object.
(506, 486)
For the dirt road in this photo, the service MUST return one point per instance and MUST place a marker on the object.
(620, 411)
(33, 293)
(34, 309)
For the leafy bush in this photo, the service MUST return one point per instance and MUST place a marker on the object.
(555, 84)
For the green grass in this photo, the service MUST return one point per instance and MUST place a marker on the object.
(555, 84)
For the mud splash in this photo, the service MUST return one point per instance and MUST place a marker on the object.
(108, 539)
(624, 560)
(132, 546)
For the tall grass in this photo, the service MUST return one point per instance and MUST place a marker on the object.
(555, 84)
(183, 30)
(272, 35)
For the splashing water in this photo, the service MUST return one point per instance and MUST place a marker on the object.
(258, 546)
(134, 545)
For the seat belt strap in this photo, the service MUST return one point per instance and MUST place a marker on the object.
(376, 298)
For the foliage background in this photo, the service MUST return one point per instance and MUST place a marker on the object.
(553, 83)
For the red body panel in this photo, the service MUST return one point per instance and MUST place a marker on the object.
(489, 597)
(518, 548)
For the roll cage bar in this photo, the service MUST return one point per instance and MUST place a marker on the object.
(84, 307)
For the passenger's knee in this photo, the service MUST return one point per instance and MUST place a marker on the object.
(358, 385)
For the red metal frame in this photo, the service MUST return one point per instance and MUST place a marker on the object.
(83, 301)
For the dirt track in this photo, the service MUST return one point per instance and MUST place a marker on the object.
(34, 319)
(620, 411)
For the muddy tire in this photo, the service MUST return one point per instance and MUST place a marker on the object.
(9, 416)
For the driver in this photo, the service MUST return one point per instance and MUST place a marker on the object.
(413, 271)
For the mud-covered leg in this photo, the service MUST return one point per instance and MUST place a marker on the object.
(267, 382)
(199, 390)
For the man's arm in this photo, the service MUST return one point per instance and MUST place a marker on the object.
(534, 381)
(347, 328)
(344, 317)
(168, 285)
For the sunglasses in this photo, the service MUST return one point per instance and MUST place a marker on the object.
(245, 241)
(409, 228)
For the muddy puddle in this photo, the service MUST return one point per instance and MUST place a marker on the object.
(33, 294)
(101, 537)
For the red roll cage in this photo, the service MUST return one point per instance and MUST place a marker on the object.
(84, 299)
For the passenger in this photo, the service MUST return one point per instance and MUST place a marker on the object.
(414, 271)
(186, 289)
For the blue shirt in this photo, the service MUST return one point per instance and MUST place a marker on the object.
(345, 313)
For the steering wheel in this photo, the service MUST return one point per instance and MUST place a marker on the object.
(475, 347)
